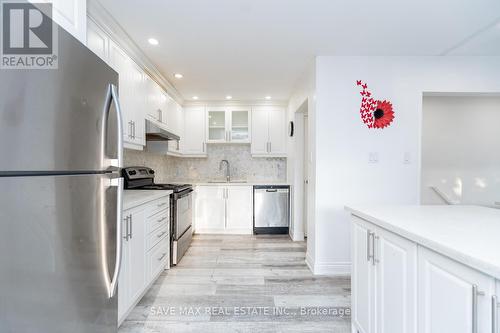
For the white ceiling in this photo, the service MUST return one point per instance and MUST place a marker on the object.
(253, 48)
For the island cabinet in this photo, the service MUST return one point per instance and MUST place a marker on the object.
(401, 286)
(452, 297)
(384, 280)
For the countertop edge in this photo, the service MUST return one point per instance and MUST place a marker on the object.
(467, 260)
(141, 197)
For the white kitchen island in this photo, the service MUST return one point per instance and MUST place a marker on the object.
(425, 269)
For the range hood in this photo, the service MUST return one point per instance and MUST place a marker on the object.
(156, 133)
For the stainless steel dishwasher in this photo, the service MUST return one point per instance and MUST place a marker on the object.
(271, 209)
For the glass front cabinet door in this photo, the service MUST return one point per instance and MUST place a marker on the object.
(228, 125)
(217, 125)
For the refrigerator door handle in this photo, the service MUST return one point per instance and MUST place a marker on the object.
(112, 97)
(118, 258)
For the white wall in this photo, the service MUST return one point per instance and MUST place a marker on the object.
(342, 143)
(461, 149)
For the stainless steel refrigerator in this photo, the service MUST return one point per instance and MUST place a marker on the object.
(60, 195)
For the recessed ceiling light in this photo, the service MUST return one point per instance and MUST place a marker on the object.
(153, 41)
(178, 75)
(268, 97)
(229, 97)
(195, 98)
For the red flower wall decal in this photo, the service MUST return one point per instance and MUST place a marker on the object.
(374, 113)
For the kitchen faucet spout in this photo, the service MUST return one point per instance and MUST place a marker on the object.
(228, 170)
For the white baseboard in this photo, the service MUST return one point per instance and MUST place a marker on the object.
(328, 268)
(298, 237)
(310, 262)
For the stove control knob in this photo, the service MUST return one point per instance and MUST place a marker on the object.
(132, 172)
(151, 172)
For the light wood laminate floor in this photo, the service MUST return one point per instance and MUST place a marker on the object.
(242, 284)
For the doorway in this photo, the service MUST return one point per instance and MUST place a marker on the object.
(301, 172)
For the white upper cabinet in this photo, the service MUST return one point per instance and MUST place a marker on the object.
(217, 125)
(70, 15)
(193, 141)
(97, 40)
(132, 99)
(239, 124)
(153, 100)
(268, 131)
(228, 124)
(260, 131)
(277, 132)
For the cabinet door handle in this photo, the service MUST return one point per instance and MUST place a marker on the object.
(270, 146)
(162, 219)
(126, 228)
(162, 204)
(475, 294)
(161, 235)
(131, 233)
(494, 314)
(130, 129)
(162, 256)
(369, 235)
(376, 257)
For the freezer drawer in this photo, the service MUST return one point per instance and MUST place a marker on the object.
(271, 209)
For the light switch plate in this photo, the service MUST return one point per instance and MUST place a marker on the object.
(407, 158)
(373, 157)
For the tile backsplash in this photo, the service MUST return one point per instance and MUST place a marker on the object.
(243, 165)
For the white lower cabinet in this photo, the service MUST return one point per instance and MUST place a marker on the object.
(362, 279)
(239, 211)
(495, 309)
(136, 247)
(224, 209)
(145, 251)
(452, 297)
(399, 286)
(384, 281)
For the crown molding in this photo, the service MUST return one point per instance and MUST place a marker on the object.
(100, 16)
(224, 103)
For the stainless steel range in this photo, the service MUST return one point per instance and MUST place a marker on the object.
(181, 203)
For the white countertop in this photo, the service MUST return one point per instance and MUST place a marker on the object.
(134, 198)
(250, 183)
(467, 234)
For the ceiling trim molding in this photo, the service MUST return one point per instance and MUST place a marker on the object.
(100, 16)
(223, 103)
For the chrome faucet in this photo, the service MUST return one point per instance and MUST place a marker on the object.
(228, 171)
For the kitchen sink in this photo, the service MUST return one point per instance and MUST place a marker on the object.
(229, 182)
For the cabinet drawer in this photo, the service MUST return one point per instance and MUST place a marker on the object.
(158, 258)
(156, 221)
(157, 206)
(157, 236)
